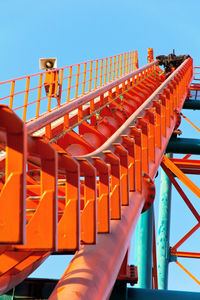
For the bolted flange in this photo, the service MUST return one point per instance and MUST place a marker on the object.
(131, 275)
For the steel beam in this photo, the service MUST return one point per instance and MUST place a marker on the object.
(92, 272)
(184, 146)
(192, 104)
(143, 251)
(163, 230)
(143, 294)
(94, 268)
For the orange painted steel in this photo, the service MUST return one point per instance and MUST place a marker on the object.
(178, 167)
(13, 194)
(85, 262)
(190, 122)
(187, 272)
(187, 166)
(150, 55)
(185, 254)
(167, 168)
(181, 192)
(188, 182)
(84, 190)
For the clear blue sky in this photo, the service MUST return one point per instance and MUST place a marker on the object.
(75, 31)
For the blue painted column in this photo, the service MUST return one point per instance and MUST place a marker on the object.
(163, 230)
(144, 294)
(143, 250)
(6, 297)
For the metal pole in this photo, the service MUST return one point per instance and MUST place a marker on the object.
(191, 104)
(143, 294)
(144, 249)
(163, 230)
(184, 146)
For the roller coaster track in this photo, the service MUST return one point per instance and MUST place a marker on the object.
(78, 162)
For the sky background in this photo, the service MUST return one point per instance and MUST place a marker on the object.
(77, 31)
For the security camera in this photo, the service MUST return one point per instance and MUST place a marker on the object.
(48, 63)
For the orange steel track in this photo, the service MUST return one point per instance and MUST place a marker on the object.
(77, 177)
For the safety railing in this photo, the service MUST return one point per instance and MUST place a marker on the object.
(31, 96)
(197, 74)
(195, 86)
(92, 103)
(155, 115)
(32, 150)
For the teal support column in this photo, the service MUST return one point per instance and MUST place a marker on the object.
(192, 104)
(184, 146)
(143, 250)
(163, 230)
(144, 294)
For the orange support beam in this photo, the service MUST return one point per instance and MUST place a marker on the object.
(94, 182)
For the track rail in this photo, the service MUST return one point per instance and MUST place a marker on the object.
(72, 196)
(167, 101)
